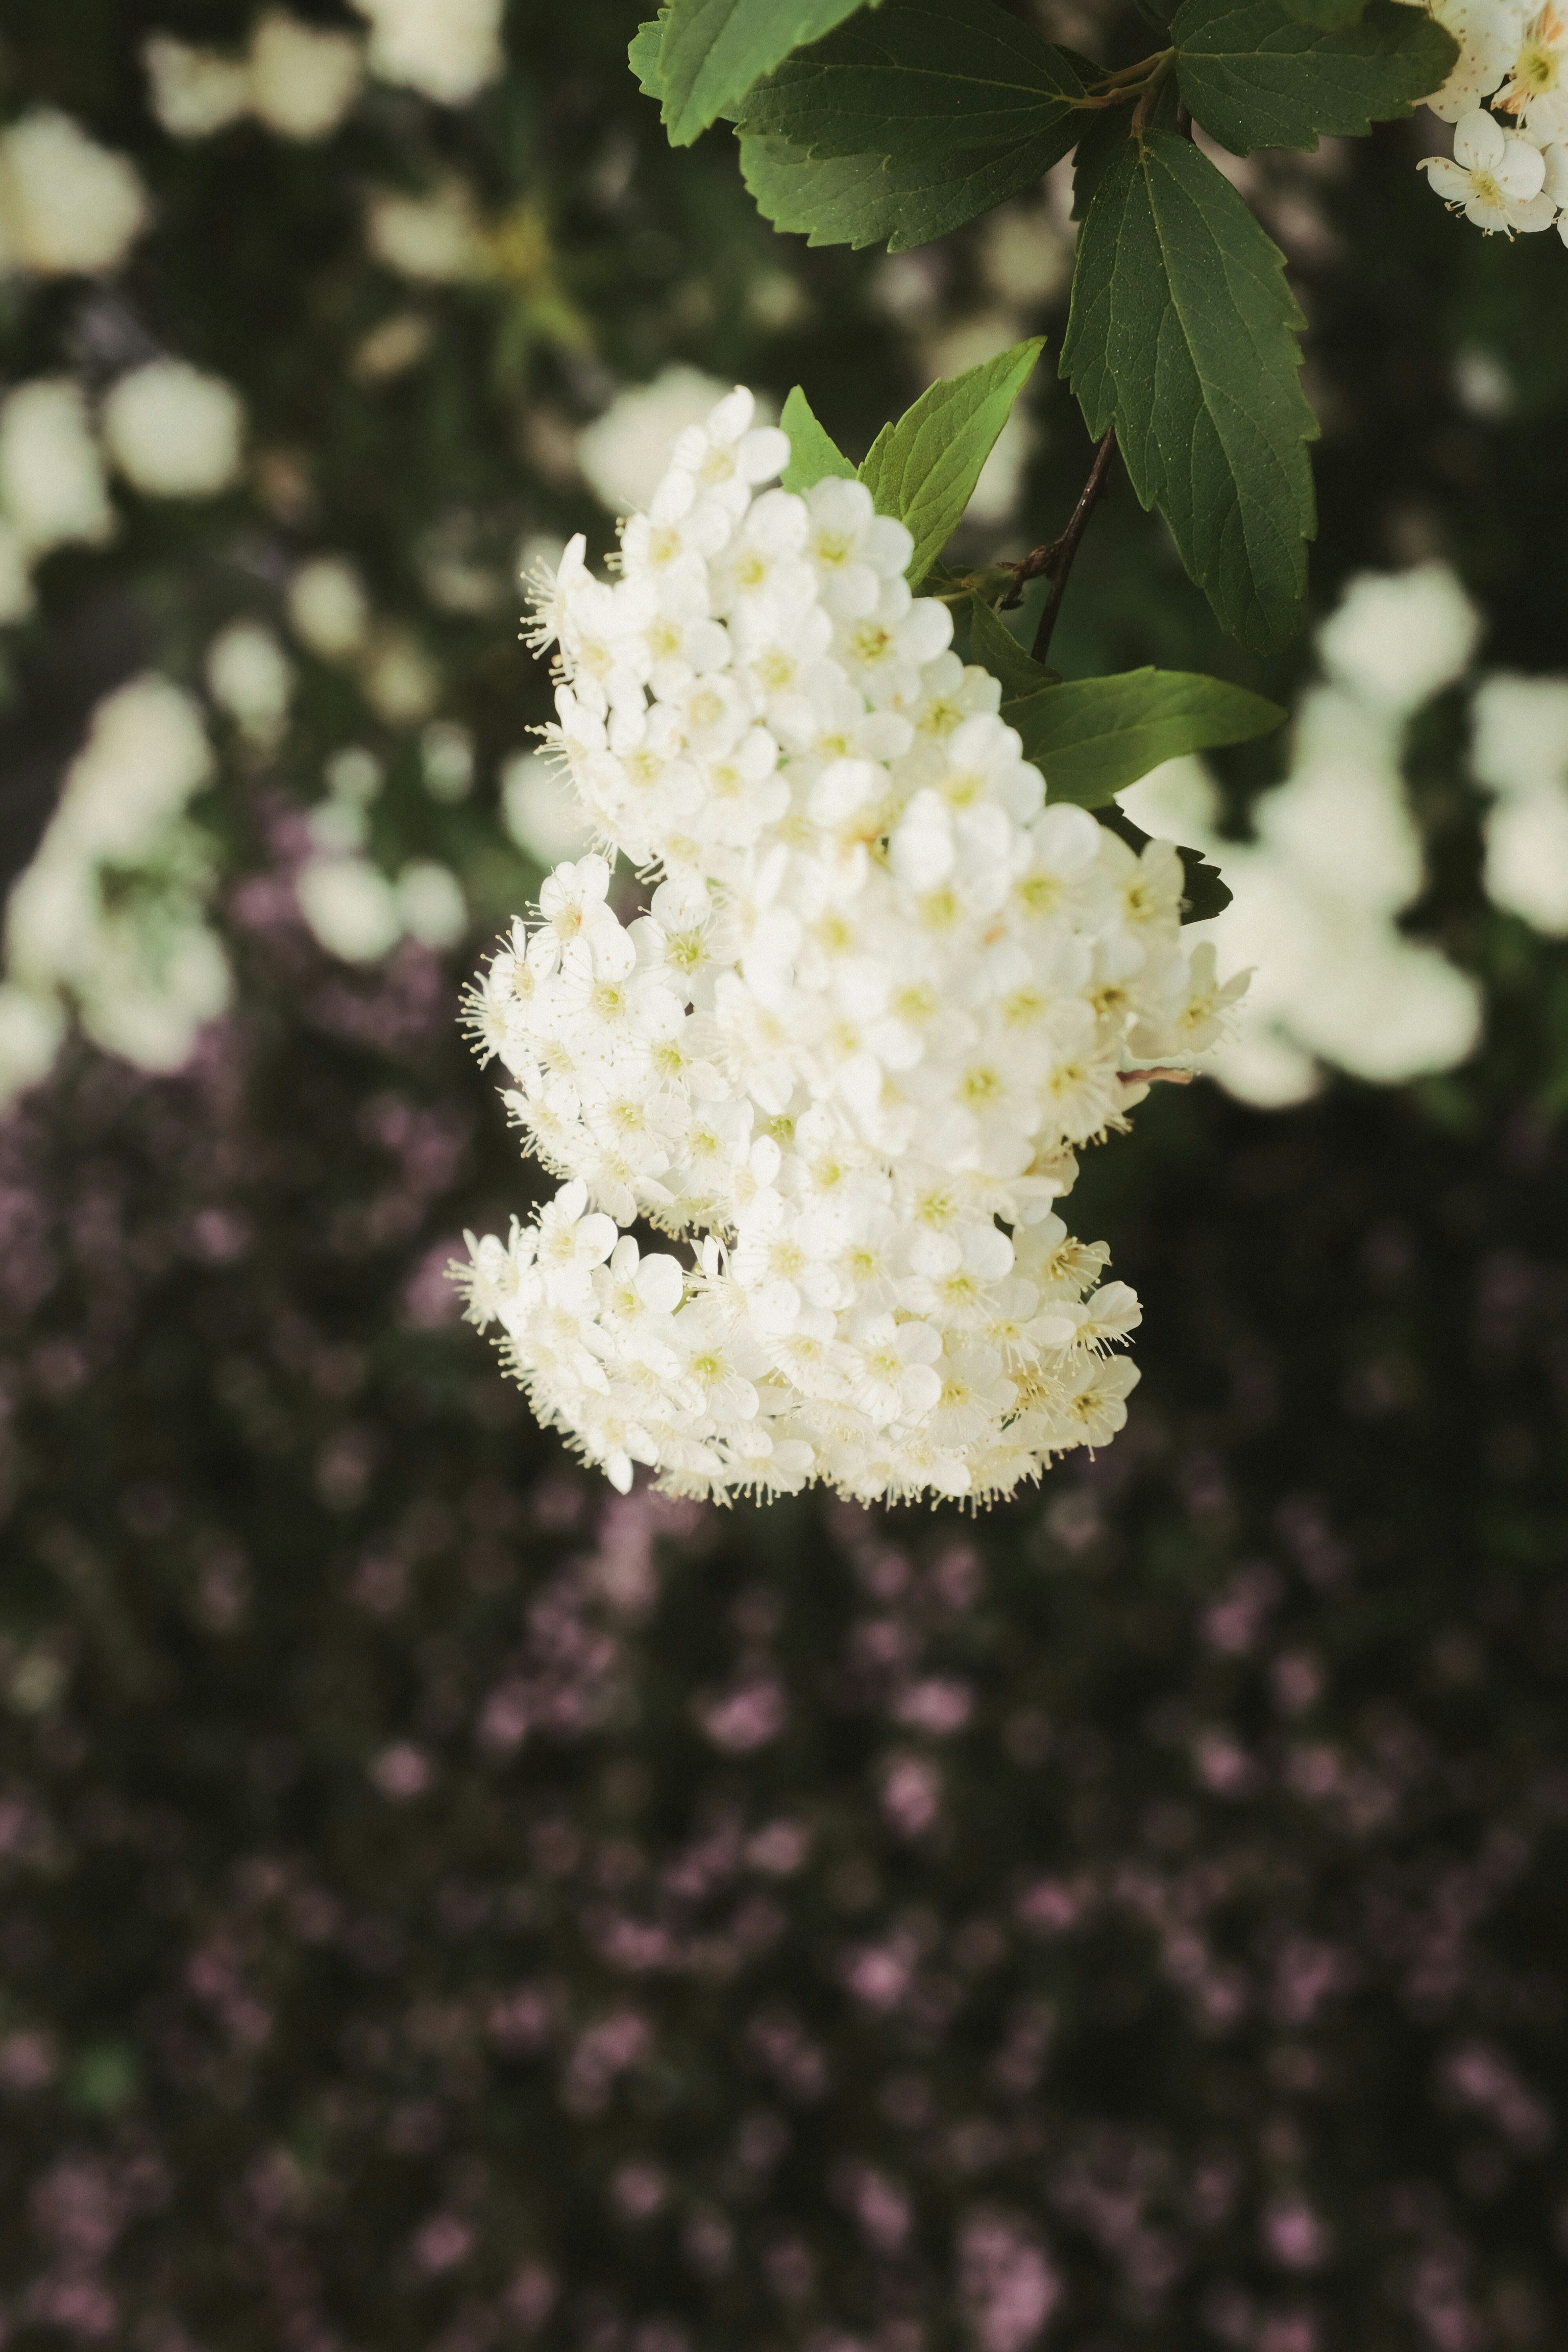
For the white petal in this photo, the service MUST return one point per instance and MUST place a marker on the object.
(1535, 213)
(1451, 180)
(1521, 171)
(1479, 142)
(660, 1284)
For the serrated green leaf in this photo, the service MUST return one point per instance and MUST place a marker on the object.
(1182, 333)
(814, 455)
(712, 51)
(923, 470)
(1093, 737)
(993, 645)
(1205, 891)
(1330, 15)
(642, 56)
(1101, 142)
(903, 125)
(1255, 75)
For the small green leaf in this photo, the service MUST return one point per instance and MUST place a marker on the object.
(992, 645)
(923, 470)
(814, 454)
(1205, 891)
(906, 123)
(1093, 737)
(1255, 75)
(642, 56)
(1181, 334)
(712, 51)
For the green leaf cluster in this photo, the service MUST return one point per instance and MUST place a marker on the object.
(898, 121)
(906, 123)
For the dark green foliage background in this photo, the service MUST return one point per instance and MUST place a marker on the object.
(1241, 1890)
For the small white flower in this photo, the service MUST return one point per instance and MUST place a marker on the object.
(1496, 178)
(174, 432)
(1488, 33)
(1536, 92)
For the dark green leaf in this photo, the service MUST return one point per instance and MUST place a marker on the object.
(923, 469)
(993, 645)
(931, 110)
(1330, 15)
(1101, 140)
(1206, 893)
(814, 454)
(712, 51)
(1093, 737)
(1256, 76)
(1183, 335)
(643, 56)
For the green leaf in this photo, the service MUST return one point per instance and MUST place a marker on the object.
(923, 469)
(1101, 142)
(1256, 76)
(642, 56)
(712, 51)
(1182, 333)
(993, 645)
(905, 124)
(1093, 737)
(1205, 890)
(1329, 16)
(814, 454)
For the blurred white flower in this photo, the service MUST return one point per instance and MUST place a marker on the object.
(624, 453)
(194, 91)
(146, 754)
(431, 905)
(447, 760)
(1520, 752)
(447, 50)
(435, 238)
(174, 432)
(327, 608)
(52, 486)
(349, 906)
(137, 958)
(296, 79)
(250, 675)
(541, 811)
(1527, 859)
(67, 204)
(302, 81)
(355, 774)
(1337, 858)
(1025, 254)
(401, 682)
(1397, 638)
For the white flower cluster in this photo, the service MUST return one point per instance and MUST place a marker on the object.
(1510, 164)
(111, 916)
(882, 991)
(170, 430)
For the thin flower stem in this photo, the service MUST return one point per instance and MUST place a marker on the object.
(1054, 562)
